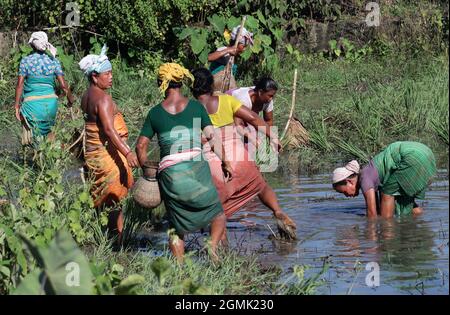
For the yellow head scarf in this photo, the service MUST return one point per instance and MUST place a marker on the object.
(172, 72)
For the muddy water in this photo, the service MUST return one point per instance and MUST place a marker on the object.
(412, 253)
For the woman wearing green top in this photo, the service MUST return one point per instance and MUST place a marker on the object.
(184, 178)
(401, 173)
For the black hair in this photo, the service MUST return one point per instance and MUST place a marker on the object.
(266, 84)
(90, 76)
(203, 82)
(172, 85)
(344, 181)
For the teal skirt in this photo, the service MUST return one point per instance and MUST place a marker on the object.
(40, 115)
(40, 104)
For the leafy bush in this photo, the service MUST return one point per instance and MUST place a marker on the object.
(150, 32)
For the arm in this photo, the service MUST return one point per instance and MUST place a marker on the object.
(19, 91)
(141, 151)
(371, 203)
(253, 119)
(66, 89)
(106, 116)
(220, 53)
(268, 118)
(240, 127)
(215, 143)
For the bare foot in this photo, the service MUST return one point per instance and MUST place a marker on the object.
(51, 136)
(214, 257)
(417, 211)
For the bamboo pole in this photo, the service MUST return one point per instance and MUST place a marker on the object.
(229, 67)
(294, 87)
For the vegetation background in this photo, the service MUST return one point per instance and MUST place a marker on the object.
(359, 88)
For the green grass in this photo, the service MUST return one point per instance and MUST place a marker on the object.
(351, 109)
(42, 201)
(235, 274)
(365, 104)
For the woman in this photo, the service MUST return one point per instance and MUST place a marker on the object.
(247, 181)
(108, 157)
(219, 58)
(184, 177)
(258, 98)
(401, 173)
(36, 103)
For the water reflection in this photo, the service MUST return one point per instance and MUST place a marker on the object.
(412, 252)
(403, 242)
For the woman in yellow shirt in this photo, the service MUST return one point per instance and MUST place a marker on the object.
(247, 181)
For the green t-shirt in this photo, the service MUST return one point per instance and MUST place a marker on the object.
(176, 132)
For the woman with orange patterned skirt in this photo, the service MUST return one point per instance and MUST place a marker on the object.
(108, 157)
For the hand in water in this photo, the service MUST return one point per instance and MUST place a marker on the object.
(286, 219)
(286, 226)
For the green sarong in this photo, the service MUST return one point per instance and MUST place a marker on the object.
(189, 195)
(405, 169)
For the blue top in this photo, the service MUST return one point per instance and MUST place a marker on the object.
(40, 64)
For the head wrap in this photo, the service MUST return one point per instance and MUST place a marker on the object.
(246, 36)
(39, 41)
(97, 63)
(172, 72)
(348, 170)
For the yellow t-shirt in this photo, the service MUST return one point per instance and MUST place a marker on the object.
(228, 105)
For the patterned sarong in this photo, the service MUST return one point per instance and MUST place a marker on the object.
(189, 194)
(405, 169)
(109, 168)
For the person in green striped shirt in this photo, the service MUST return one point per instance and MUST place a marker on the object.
(401, 172)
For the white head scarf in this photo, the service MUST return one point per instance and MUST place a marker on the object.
(39, 41)
(246, 36)
(98, 63)
(348, 170)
